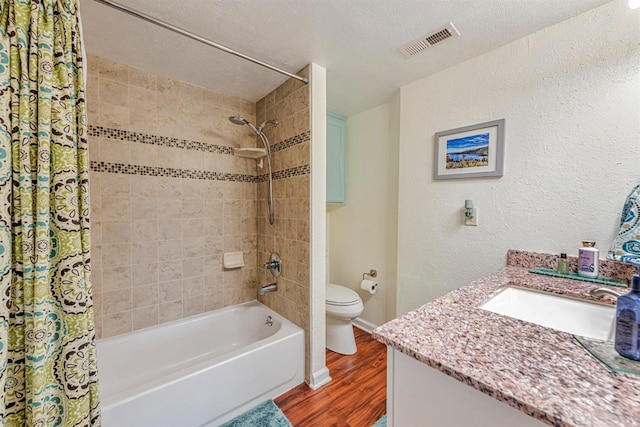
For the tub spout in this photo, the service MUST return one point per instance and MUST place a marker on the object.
(269, 288)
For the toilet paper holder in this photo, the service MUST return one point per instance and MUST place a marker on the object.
(371, 273)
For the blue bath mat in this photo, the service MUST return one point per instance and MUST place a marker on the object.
(382, 422)
(266, 414)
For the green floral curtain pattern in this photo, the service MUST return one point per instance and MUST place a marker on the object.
(48, 369)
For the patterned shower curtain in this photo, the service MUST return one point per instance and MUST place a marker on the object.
(47, 340)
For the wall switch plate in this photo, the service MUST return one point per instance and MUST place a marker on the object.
(472, 220)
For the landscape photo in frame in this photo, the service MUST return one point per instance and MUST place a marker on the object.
(470, 152)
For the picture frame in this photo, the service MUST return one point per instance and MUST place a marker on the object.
(474, 151)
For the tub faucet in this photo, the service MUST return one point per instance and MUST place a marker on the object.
(269, 288)
(600, 292)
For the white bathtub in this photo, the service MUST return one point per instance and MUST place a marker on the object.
(203, 370)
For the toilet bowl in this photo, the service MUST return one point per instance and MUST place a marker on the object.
(342, 305)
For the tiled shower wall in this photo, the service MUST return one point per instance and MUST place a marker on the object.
(168, 198)
(289, 235)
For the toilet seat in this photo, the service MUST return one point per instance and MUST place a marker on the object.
(340, 296)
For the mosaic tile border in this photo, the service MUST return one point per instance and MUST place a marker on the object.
(286, 173)
(145, 138)
(295, 140)
(121, 168)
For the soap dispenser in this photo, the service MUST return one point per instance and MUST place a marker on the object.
(627, 342)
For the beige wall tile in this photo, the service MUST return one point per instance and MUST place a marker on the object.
(192, 267)
(192, 208)
(169, 229)
(144, 252)
(96, 279)
(116, 324)
(193, 247)
(144, 209)
(193, 188)
(213, 228)
(169, 188)
(144, 186)
(192, 287)
(170, 157)
(143, 296)
(193, 306)
(213, 301)
(144, 155)
(144, 230)
(114, 278)
(97, 303)
(116, 232)
(115, 208)
(170, 311)
(170, 291)
(111, 115)
(214, 190)
(204, 217)
(193, 159)
(114, 151)
(213, 209)
(142, 78)
(145, 317)
(96, 257)
(114, 92)
(144, 274)
(115, 255)
(169, 208)
(192, 228)
(169, 250)
(115, 185)
(170, 270)
(116, 301)
(96, 232)
(109, 70)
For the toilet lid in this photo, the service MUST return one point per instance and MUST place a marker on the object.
(339, 295)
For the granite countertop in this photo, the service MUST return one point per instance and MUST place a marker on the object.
(541, 371)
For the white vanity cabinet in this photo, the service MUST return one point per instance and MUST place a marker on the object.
(419, 395)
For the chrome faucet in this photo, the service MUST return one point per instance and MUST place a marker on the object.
(600, 292)
(268, 288)
(274, 264)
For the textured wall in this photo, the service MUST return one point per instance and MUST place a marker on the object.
(289, 235)
(570, 95)
(168, 198)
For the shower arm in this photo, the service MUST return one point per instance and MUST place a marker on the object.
(196, 37)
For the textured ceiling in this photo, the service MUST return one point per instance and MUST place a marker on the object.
(356, 40)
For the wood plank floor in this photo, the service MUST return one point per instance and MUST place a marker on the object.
(356, 395)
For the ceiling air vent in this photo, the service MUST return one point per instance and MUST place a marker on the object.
(445, 33)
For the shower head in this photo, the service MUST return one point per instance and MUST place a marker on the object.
(237, 120)
(273, 122)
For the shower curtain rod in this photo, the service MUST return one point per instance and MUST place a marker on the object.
(196, 37)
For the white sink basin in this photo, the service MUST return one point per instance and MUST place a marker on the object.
(565, 314)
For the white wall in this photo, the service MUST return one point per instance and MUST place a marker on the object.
(363, 232)
(317, 108)
(570, 95)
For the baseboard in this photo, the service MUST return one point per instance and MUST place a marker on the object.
(319, 378)
(365, 325)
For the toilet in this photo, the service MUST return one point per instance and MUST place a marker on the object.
(342, 305)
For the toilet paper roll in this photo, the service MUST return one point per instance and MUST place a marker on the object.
(369, 286)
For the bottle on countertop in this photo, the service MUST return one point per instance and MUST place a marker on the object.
(588, 259)
(563, 264)
(627, 341)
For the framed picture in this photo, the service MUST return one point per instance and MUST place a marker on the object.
(470, 152)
